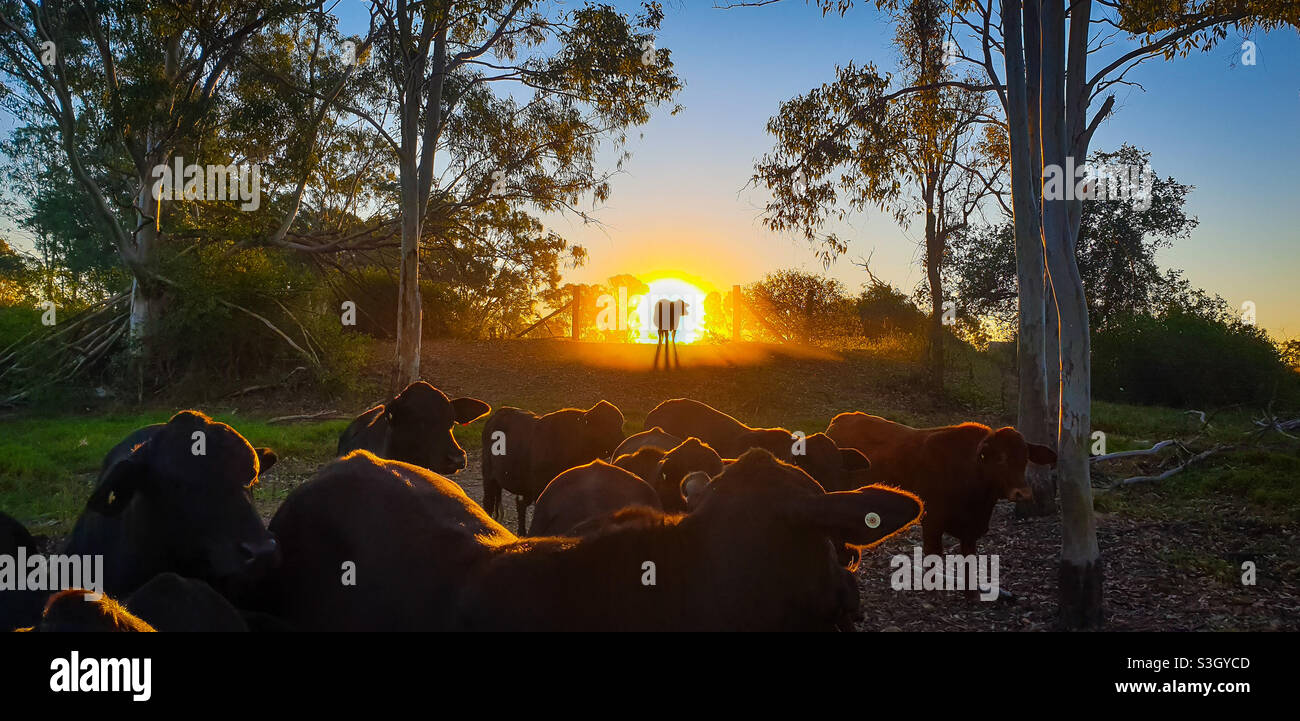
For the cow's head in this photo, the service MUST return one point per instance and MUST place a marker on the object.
(837, 469)
(420, 420)
(1003, 455)
(184, 497)
(691, 456)
(603, 424)
(762, 508)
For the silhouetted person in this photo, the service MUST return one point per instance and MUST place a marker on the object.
(668, 315)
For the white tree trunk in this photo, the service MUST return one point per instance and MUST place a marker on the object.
(1080, 571)
(1032, 415)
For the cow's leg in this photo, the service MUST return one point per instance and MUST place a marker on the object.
(521, 509)
(491, 497)
(931, 537)
(968, 548)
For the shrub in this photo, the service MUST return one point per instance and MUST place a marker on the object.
(1188, 358)
(204, 334)
(885, 311)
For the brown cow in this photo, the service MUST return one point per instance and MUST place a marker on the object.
(757, 555)
(837, 469)
(651, 438)
(666, 471)
(959, 471)
(586, 493)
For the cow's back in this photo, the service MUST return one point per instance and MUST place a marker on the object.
(588, 492)
(685, 417)
(938, 464)
(370, 544)
(560, 442)
(508, 470)
(892, 448)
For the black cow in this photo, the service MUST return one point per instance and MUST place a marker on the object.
(415, 427)
(18, 608)
(169, 602)
(177, 496)
(582, 494)
(759, 554)
(522, 452)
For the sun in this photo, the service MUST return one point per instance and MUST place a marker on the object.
(670, 287)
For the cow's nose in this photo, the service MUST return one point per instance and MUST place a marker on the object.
(254, 552)
(457, 463)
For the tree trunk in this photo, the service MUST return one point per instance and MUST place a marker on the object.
(933, 255)
(1031, 363)
(1081, 571)
(415, 175)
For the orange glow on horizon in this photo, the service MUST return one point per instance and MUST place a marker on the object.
(664, 285)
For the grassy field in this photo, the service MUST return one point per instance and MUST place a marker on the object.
(49, 459)
(1192, 528)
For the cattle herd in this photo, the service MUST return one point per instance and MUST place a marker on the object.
(698, 522)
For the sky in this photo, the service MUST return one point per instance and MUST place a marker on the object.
(1229, 129)
(684, 203)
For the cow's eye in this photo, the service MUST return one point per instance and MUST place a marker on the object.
(873, 520)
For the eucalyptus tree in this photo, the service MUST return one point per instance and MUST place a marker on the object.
(501, 102)
(923, 150)
(119, 87)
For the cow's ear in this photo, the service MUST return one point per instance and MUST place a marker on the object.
(265, 459)
(468, 410)
(116, 488)
(695, 488)
(854, 460)
(1042, 455)
(862, 517)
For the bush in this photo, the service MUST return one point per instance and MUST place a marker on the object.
(201, 335)
(803, 307)
(17, 321)
(1187, 358)
(886, 311)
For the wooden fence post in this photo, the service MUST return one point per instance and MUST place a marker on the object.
(577, 311)
(735, 313)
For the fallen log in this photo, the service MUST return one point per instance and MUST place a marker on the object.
(1152, 451)
(1176, 469)
(323, 415)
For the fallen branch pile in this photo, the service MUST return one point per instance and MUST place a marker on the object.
(52, 354)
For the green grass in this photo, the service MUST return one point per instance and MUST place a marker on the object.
(1261, 475)
(49, 461)
(48, 464)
